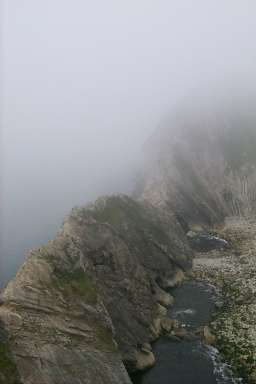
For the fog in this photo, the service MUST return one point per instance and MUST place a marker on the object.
(85, 83)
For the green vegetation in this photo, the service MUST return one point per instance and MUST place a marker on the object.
(76, 283)
(124, 212)
(8, 370)
(139, 225)
(232, 329)
(112, 212)
(233, 344)
(105, 339)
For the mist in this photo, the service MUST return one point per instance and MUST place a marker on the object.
(84, 86)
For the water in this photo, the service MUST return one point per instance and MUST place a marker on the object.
(194, 304)
(188, 362)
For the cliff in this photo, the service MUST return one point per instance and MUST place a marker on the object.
(92, 298)
(202, 164)
(85, 307)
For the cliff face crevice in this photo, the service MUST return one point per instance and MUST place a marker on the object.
(91, 299)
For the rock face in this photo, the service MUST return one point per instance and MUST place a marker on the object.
(85, 307)
(205, 242)
(202, 165)
(90, 300)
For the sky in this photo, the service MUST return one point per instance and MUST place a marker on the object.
(85, 83)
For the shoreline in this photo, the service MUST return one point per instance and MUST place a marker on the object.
(233, 271)
(192, 339)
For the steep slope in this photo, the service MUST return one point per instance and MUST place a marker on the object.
(85, 307)
(202, 164)
(93, 297)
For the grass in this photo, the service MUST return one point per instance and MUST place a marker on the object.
(8, 369)
(77, 283)
(105, 339)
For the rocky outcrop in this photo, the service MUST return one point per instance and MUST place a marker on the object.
(202, 164)
(59, 330)
(90, 300)
(85, 307)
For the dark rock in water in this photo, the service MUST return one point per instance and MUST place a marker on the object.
(208, 337)
(181, 333)
(205, 243)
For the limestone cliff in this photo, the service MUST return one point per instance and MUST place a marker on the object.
(202, 164)
(85, 307)
(92, 298)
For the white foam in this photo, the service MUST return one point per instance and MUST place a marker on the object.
(188, 311)
(222, 370)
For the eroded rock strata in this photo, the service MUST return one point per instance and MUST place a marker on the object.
(93, 298)
(202, 164)
(203, 167)
(85, 307)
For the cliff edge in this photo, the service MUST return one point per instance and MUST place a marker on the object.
(92, 300)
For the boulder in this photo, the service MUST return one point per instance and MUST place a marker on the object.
(172, 281)
(167, 324)
(145, 360)
(208, 337)
(164, 298)
(181, 333)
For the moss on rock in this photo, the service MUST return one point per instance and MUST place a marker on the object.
(8, 369)
(76, 283)
(105, 339)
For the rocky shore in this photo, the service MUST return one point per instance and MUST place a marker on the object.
(233, 270)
